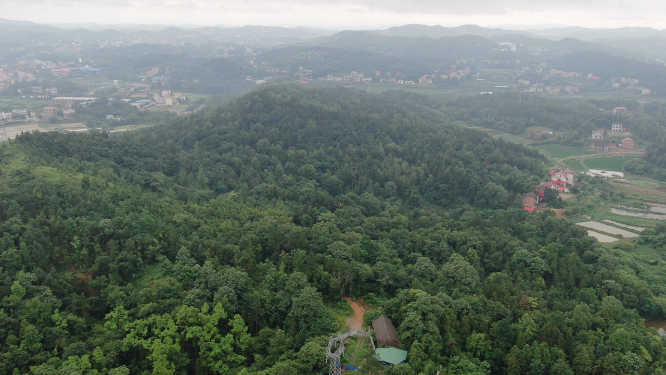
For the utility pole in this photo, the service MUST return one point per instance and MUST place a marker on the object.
(335, 365)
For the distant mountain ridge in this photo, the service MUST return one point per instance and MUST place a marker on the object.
(578, 32)
(438, 31)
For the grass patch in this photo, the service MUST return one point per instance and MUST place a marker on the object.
(558, 151)
(576, 165)
(194, 97)
(359, 353)
(613, 163)
(341, 311)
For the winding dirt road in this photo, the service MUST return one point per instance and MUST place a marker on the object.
(355, 323)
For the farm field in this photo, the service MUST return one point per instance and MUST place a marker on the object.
(613, 163)
(576, 165)
(558, 151)
(638, 229)
(194, 97)
(608, 229)
(638, 214)
(601, 237)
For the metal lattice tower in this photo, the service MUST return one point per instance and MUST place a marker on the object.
(335, 368)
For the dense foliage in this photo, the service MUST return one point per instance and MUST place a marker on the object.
(218, 244)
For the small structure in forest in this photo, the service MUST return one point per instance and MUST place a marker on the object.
(391, 356)
(386, 333)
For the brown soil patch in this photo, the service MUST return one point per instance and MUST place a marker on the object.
(355, 323)
(560, 213)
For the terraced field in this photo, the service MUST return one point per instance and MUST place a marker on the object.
(608, 229)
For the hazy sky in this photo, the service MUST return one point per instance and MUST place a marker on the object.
(340, 14)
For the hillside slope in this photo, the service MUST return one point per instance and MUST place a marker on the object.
(221, 244)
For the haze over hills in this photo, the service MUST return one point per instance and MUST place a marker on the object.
(412, 30)
(438, 31)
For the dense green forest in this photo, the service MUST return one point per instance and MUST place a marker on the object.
(222, 243)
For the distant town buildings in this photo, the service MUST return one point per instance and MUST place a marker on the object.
(50, 112)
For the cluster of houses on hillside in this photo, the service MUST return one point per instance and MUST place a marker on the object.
(46, 112)
(630, 84)
(352, 77)
(541, 88)
(384, 77)
(561, 180)
(31, 70)
(599, 144)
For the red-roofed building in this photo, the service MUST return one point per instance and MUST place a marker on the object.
(529, 209)
(550, 185)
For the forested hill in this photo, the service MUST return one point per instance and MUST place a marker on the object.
(352, 141)
(221, 244)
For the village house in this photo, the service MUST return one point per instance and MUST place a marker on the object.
(602, 146)
(618, 128)
(36, 88)
(558, 177)
(627, 144)
(617, 110)
(530, 201)
(68, 112)
(386, 333)
(50, 112)
(569, 174)
(553, 186)
(20, 112)
(598, 135)
(5, 115)
(52, 90)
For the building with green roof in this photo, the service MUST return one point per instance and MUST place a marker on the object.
(391, 356)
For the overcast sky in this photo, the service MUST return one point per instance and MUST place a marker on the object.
(343, 14)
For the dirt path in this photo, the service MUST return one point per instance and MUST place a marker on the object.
(356, 322)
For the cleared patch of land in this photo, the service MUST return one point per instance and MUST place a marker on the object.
(513, 138)
(608, 229)
(13, 131)
(601, 237)
(638, 229)
(559, 151)
(660, 208)
(638, 214)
